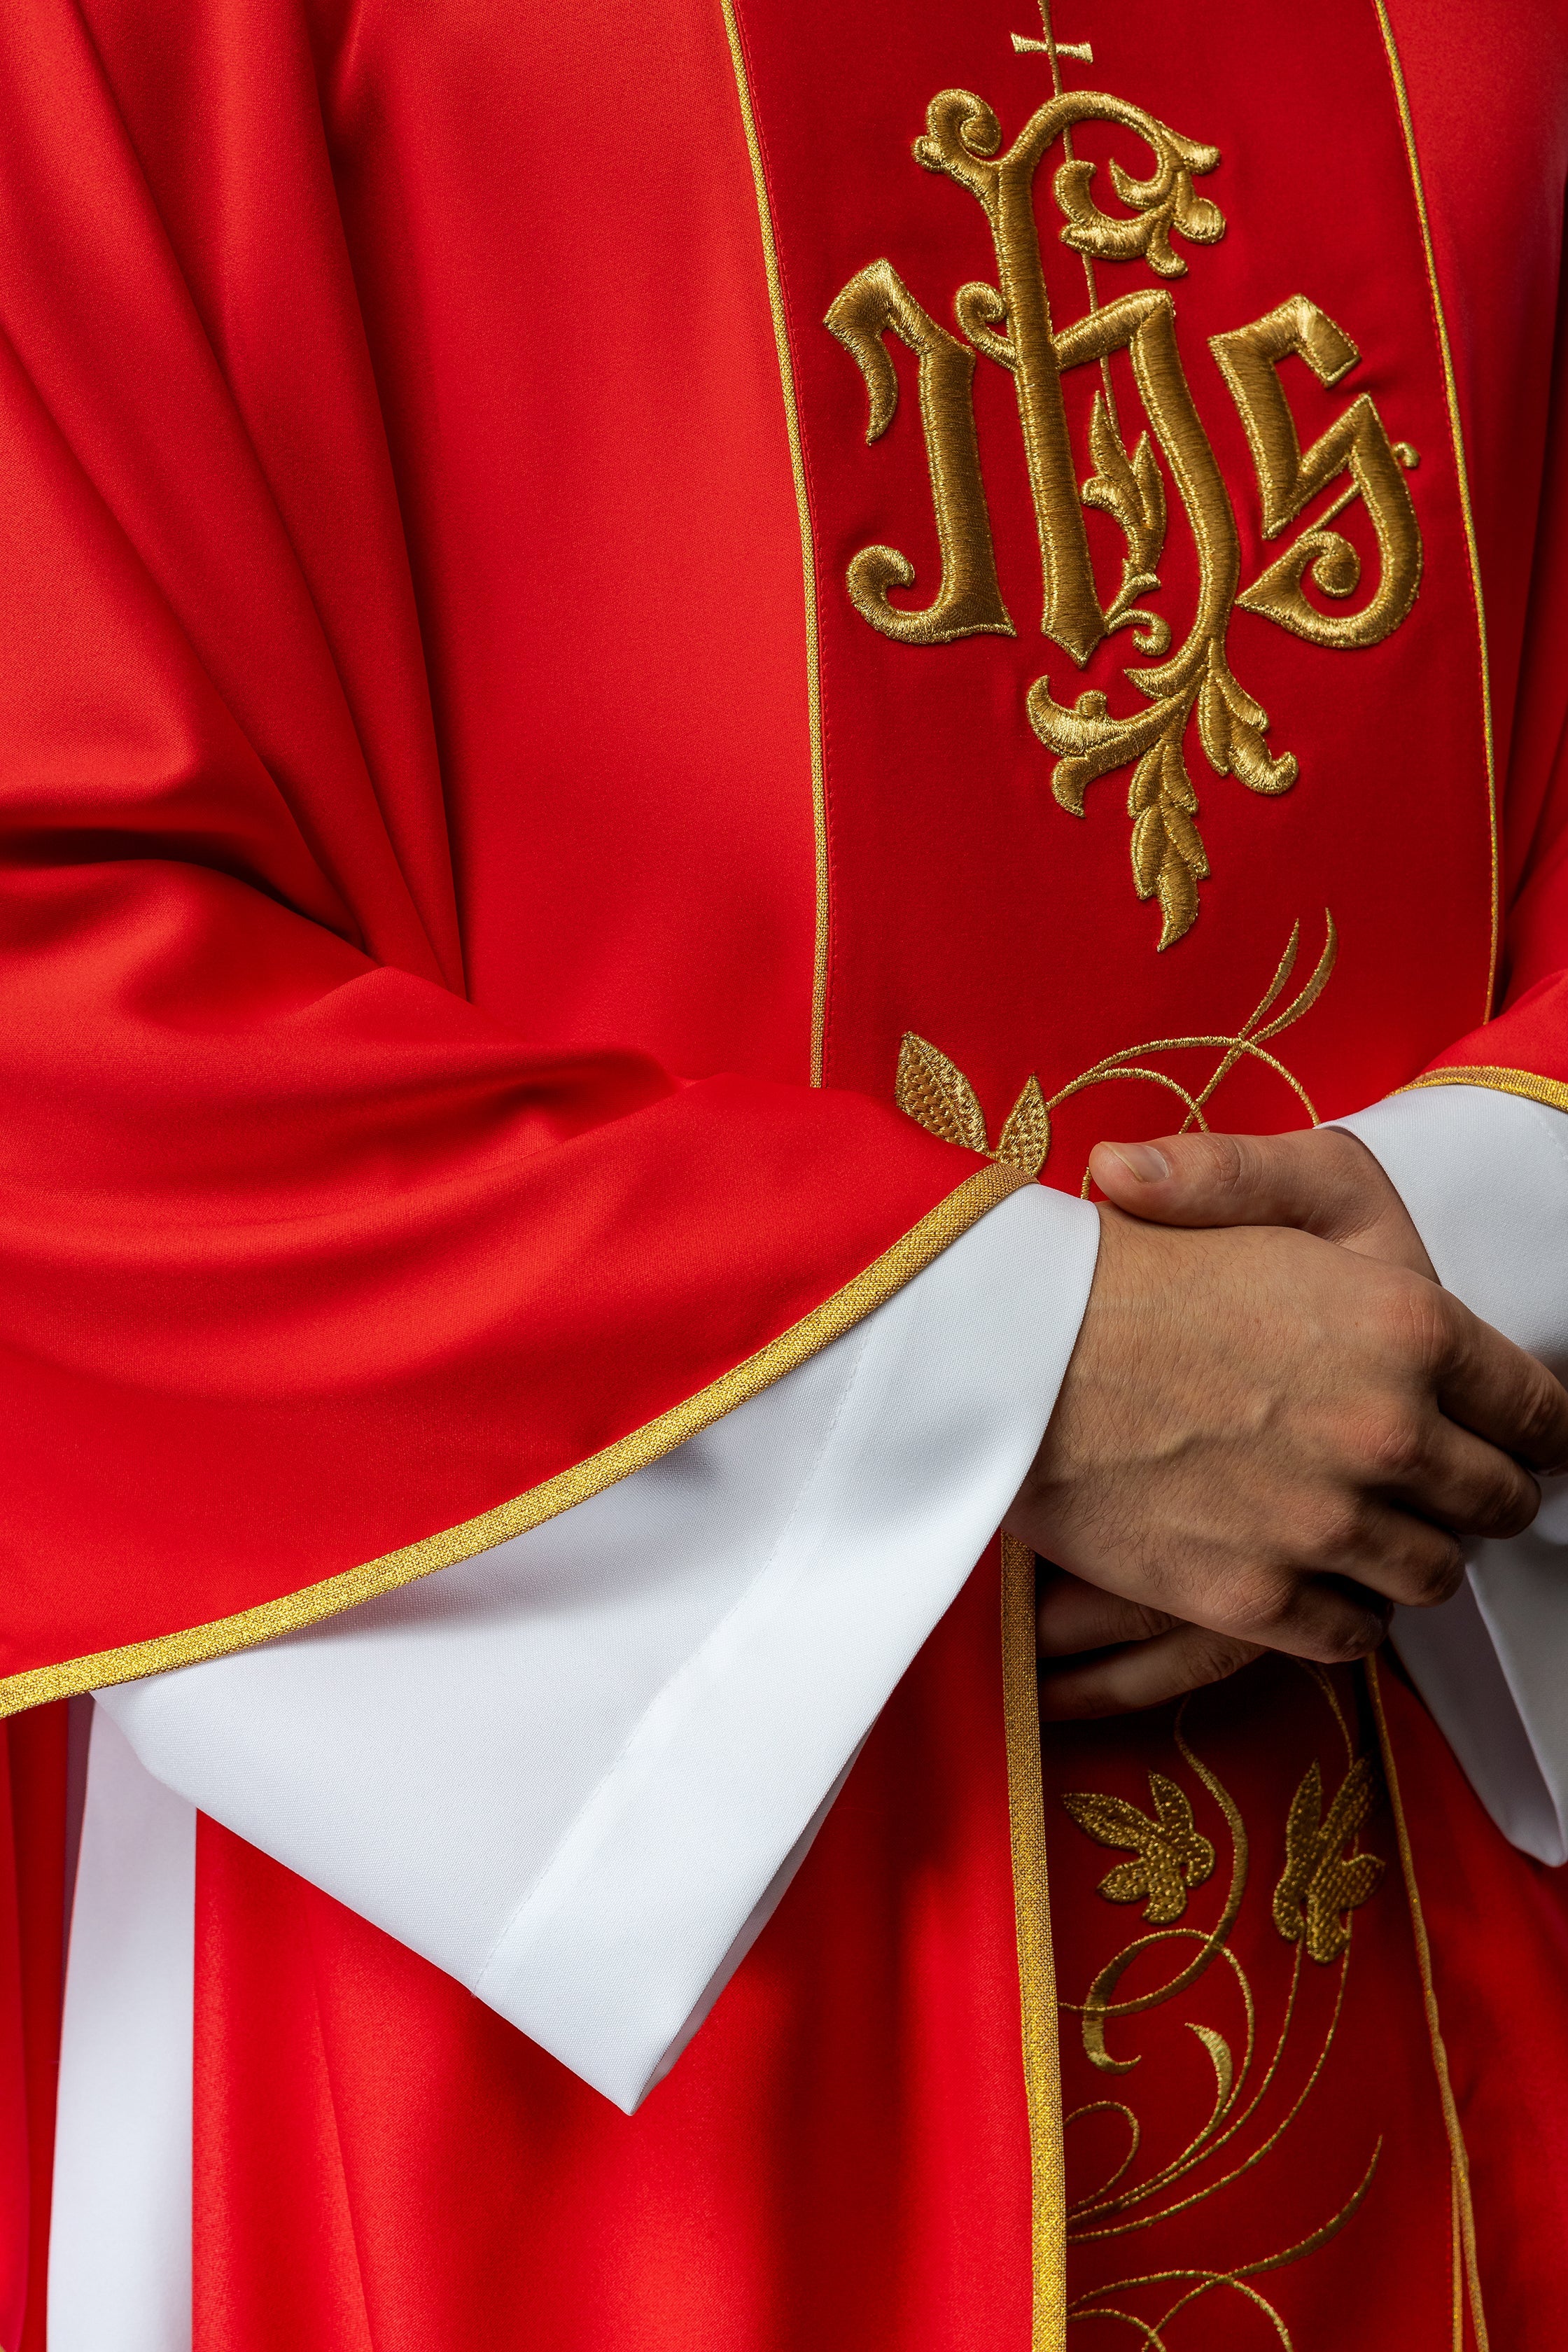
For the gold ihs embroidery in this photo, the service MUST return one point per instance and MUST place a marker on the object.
(1171, 1855)
(969, 600)
(1010, 323)
(1321, 1881)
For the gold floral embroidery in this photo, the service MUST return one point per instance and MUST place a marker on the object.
(1321, 1881)
(934, 1091)
(1010, 323)
(1229, 2139)
(1171, 1853)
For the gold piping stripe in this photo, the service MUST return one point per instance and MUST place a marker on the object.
(879, 1282)
(807, 546)
(1037, 1962)
(1457, 431)
(1459, 2156)
(1502, 1082)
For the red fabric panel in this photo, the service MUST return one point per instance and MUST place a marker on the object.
(32, 1961)
(839, 2161)
(304, 1256)
(1498, 1929)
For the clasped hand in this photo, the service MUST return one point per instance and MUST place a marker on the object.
(1275, 1424)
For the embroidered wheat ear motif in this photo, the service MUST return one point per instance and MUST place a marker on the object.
(1322, 1883)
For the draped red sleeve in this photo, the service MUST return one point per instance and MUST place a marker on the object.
(307, 1262)
(1516, 422)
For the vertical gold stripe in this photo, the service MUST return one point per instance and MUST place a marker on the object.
(807, 550)
(1457, 431)
(1036, 1963)
(1458, 2159)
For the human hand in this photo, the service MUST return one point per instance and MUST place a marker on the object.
(1266, 1437)
(1317, 1179)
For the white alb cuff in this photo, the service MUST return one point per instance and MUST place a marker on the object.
(577, 1773)
(1485, 1177)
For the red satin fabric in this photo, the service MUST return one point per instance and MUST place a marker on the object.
(306, 1253)
(401, 573)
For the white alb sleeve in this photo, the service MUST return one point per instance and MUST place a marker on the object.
(1485, 1178)
(578, 1771)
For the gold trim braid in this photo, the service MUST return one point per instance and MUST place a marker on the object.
(1036, 1963)
(1467, 2273)
(1502, 1081)
(880, 1280)
(807, 546)
(1457, 432)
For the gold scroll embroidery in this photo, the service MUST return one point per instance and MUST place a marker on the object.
(1011, 324)
(934, 1091)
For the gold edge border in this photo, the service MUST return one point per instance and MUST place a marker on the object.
(879, 1281)
(808, 541)
(1037, 1960)
(1456, 434)
(1459, 2156)
(1502, 1081)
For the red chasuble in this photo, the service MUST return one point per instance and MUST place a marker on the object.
(647, 654)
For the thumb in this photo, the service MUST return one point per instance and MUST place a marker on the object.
(1301, 1179)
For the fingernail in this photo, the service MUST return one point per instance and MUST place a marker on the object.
(1149, 1167)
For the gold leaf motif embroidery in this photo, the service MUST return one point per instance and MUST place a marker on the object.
(1323, 1884)
(1171, 1853)
(934, 1091)
(1010, 323)
(1250, 2112)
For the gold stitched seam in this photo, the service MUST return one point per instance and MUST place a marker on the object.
(1458, 2156)
(1457, 431)
(807, 548)
(1502, 1081)
(880, 1280)
(1036, 1963)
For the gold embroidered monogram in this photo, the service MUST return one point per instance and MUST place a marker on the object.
(1010, 323)
(934, 1091)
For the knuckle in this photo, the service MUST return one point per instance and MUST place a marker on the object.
(1260, 1598)
(1435, 1577)
(1336, 1530)
(1226, 1163)
(1210, 1656)
(1513, 1505)
(1355, 1638)
(1394, 1447)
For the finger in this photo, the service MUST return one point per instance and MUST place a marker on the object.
(1142, 1674)
(1072, 1616)
(1368, 1554)
(1317, 1610)
(1486, 1385)
(1322, 1182)
(1464, 1484)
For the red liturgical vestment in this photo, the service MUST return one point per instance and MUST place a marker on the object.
(650, 655)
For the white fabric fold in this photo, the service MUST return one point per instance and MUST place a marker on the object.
(577, 1773)
(120, 2242)
(1485, 1177)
